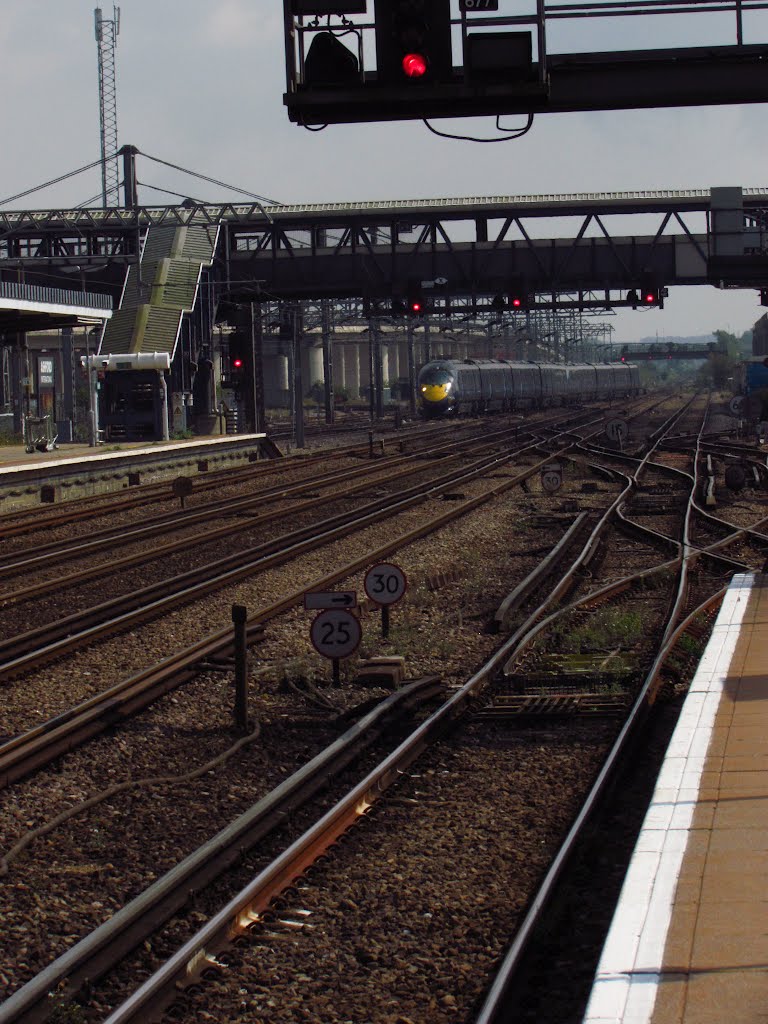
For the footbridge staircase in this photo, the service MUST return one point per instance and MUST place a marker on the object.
(160, 288)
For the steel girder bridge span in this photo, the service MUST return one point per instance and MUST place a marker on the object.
(468, 258)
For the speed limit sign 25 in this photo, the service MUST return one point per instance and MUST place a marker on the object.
(336, 633)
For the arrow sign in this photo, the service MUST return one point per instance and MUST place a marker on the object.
(331, 599)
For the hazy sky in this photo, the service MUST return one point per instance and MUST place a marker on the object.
(200, 84)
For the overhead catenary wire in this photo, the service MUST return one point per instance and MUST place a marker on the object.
(212, 181)
(170, 192)
(53, 181)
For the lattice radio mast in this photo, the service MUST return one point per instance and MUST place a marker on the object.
(106, 39)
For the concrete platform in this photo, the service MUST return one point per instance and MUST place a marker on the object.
(77, 470)
(689, 939)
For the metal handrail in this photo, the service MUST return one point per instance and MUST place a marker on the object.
(54, 296)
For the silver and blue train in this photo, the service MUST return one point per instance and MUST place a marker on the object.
(450, 387)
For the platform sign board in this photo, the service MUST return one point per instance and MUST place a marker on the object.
(552, 477)
(182, 487)
(385, 583)
(45, 372)
(330, 599)
(617, 430)
(336, 633)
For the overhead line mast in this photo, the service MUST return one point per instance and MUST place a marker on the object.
(106, 39)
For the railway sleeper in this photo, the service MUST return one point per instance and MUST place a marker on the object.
(511, 707)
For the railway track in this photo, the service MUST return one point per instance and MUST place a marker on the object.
(208, 971)
(29, 650)
(74, 510)
(47, 741)
(111, 540)
(268, 934)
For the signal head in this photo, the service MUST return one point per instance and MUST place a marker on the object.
(414, 65)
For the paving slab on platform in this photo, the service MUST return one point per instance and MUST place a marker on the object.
(689, 939)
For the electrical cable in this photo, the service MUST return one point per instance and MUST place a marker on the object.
(212, 181)
(88, 202)
(114, 790)
(53, 181)
(469, 138)
(170, 192)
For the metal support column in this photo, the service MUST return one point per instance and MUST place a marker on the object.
(297, 391)
(130, 190)
(68, 379)
(411, 373)
(371, 371)
(257, 348)
(325, 313)
(17, 387)
(377, 375)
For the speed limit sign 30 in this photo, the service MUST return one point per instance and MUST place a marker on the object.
(385, 583)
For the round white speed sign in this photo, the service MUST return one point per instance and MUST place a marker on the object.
(616, 429)
(385, 583)
(551, 480)
(736, 405)
(336, 633)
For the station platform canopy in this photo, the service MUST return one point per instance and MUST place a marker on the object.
(27, 307)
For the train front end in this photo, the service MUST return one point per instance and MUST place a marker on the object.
(437, 389)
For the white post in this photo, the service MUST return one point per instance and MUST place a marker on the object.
(164, 386)
(93, 400)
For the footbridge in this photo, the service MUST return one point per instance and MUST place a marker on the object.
(502, 275)
(464, 250)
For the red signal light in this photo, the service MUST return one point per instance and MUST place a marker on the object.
(516, 302)
(415, 307)
(414, 65)
(649, 297)
(237, 364)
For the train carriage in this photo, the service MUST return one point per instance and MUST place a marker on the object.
(584, 382)
(473, 386)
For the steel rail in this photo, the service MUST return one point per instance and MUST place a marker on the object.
(179, 519)
(23, 521)
(247, 907)
(230, 508)
(525, 588)
(78, 509)
(95, 954)
(199, 952)
(23, 652)
(38, 746)
(492, 1007)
